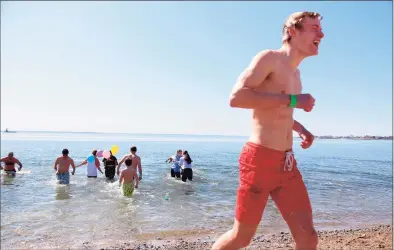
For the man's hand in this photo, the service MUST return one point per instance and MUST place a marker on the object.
(118, 172)
(307, 139)
(136, 186)
(73, 172)
(305, 102)
(140, 178)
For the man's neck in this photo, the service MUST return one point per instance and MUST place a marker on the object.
(294, 56)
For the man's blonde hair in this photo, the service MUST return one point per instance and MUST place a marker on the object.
(295, 20)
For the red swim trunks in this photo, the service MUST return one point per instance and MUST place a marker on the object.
(264, 172)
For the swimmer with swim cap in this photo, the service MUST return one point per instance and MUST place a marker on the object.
(271, 87)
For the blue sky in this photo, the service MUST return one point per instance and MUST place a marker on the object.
(158, 67)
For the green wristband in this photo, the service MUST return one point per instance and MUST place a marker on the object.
(293, 101)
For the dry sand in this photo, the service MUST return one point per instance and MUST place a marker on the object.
(378, 237)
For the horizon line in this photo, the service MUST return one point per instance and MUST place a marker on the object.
(86, 132)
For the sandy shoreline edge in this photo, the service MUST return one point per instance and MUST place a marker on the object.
(376, 237)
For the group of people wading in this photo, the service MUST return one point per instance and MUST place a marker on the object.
(181, 165)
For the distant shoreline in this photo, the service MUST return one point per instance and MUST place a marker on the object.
(332, 137)
(367, 137)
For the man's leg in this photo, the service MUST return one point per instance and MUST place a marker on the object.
(251, 200)
(293, 202)
(238, 237)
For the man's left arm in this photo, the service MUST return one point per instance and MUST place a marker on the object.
(19, 163)
(140, 168)
(307, 137)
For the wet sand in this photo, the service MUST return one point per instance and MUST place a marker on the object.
(377, 237)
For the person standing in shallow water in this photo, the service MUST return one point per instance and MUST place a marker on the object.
(176, 168)
(186, 165)
(110, 166)
(62, 167)
(9, 164)
(271, 87)
(136, 161)
(92, 167)
(127, 179)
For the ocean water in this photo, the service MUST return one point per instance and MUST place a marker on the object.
(349, 183)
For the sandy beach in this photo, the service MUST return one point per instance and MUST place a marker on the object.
(377, 237)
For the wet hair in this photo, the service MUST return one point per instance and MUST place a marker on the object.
(65, 151)
(179, 151)
(133, 149)
(187, 157)
(10, 154)
(296, 20)
(94, 152)
(128, 162)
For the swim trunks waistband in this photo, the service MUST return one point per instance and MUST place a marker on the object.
(270, 150)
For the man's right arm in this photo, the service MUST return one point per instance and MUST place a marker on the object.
(55, 164)
(120, 163)
(244, 94)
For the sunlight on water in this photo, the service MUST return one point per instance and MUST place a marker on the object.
(349, 182)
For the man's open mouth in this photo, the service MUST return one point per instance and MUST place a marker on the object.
(316, 43)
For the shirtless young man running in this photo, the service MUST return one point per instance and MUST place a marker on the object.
(271, 87)
(62, 166)
(136, 161)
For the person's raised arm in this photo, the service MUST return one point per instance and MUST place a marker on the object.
(139, 167)
(169, 160)
(244, 94)
(120, 163)
(82, 163)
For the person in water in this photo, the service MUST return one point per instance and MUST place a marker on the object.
(92, 166)
(176, 168)
(109, 166)
(127, 178)
(186, 165)
(9, 164)
(136, 161)
(62, 166)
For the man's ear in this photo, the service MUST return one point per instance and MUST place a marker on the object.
(292, 31)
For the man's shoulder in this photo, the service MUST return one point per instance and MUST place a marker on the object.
(268, 54)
